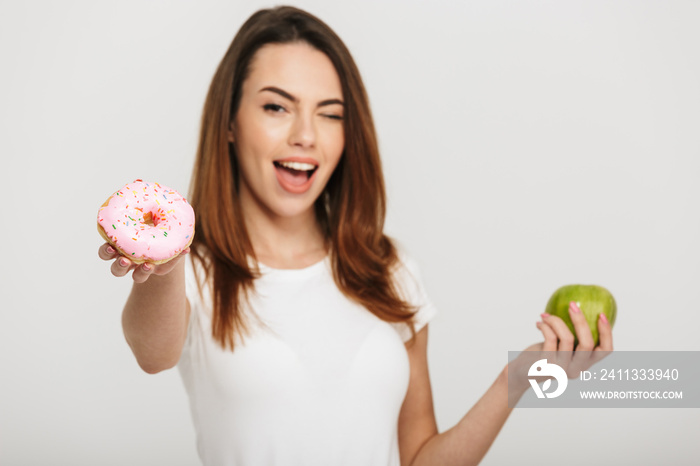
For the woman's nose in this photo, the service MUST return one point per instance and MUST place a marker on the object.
(303, 132)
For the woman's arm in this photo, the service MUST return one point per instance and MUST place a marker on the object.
(156, 313)
(465, 443)
(468, 442)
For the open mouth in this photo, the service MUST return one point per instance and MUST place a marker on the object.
(296, 172)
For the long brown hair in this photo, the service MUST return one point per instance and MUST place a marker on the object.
(350, 210)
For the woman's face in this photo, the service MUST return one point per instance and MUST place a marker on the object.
(288, 131)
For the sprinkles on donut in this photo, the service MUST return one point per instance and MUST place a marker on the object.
(147, 222)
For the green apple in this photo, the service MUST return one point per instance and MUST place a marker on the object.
(591, 299)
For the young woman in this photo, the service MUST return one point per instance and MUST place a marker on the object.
(298, 326)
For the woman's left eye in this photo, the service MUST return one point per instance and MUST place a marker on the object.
(273, 108)
(334, 117)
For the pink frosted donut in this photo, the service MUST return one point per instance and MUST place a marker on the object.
(147, 222)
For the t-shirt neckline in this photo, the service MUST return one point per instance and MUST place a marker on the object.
(309, 270)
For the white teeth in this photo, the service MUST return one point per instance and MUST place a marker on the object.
(298, 166)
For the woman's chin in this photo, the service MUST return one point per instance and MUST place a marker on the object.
(290, 210)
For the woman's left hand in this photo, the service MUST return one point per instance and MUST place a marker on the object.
(558, 338)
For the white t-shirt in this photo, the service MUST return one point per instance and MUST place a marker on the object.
(322, 384)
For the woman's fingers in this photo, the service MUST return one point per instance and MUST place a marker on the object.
(106, 252)
(120, 267)
(550, 338)
(564, 335)
(605, 333)
(142, 272)
(582, 358)
(583, 331)
(558, 338)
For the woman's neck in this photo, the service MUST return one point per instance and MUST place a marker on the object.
(285, 242)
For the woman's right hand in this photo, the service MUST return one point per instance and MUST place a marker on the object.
(122, 265)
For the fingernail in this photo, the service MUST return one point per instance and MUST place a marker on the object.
(574, 307)
(110, 250)
(537, 324)
(123, 262)
(544, 315)
(603, 318)
(146, 266)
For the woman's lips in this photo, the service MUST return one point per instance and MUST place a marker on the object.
(294, 183)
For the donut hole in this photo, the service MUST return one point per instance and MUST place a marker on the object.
(150, 219)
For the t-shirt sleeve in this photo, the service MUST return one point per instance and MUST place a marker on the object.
(411, 288)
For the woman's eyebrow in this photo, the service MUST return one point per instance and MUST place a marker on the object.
(289, 96)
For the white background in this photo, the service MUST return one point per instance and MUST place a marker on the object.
(527, 145)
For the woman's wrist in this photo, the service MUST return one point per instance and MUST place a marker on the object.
(516, 385)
